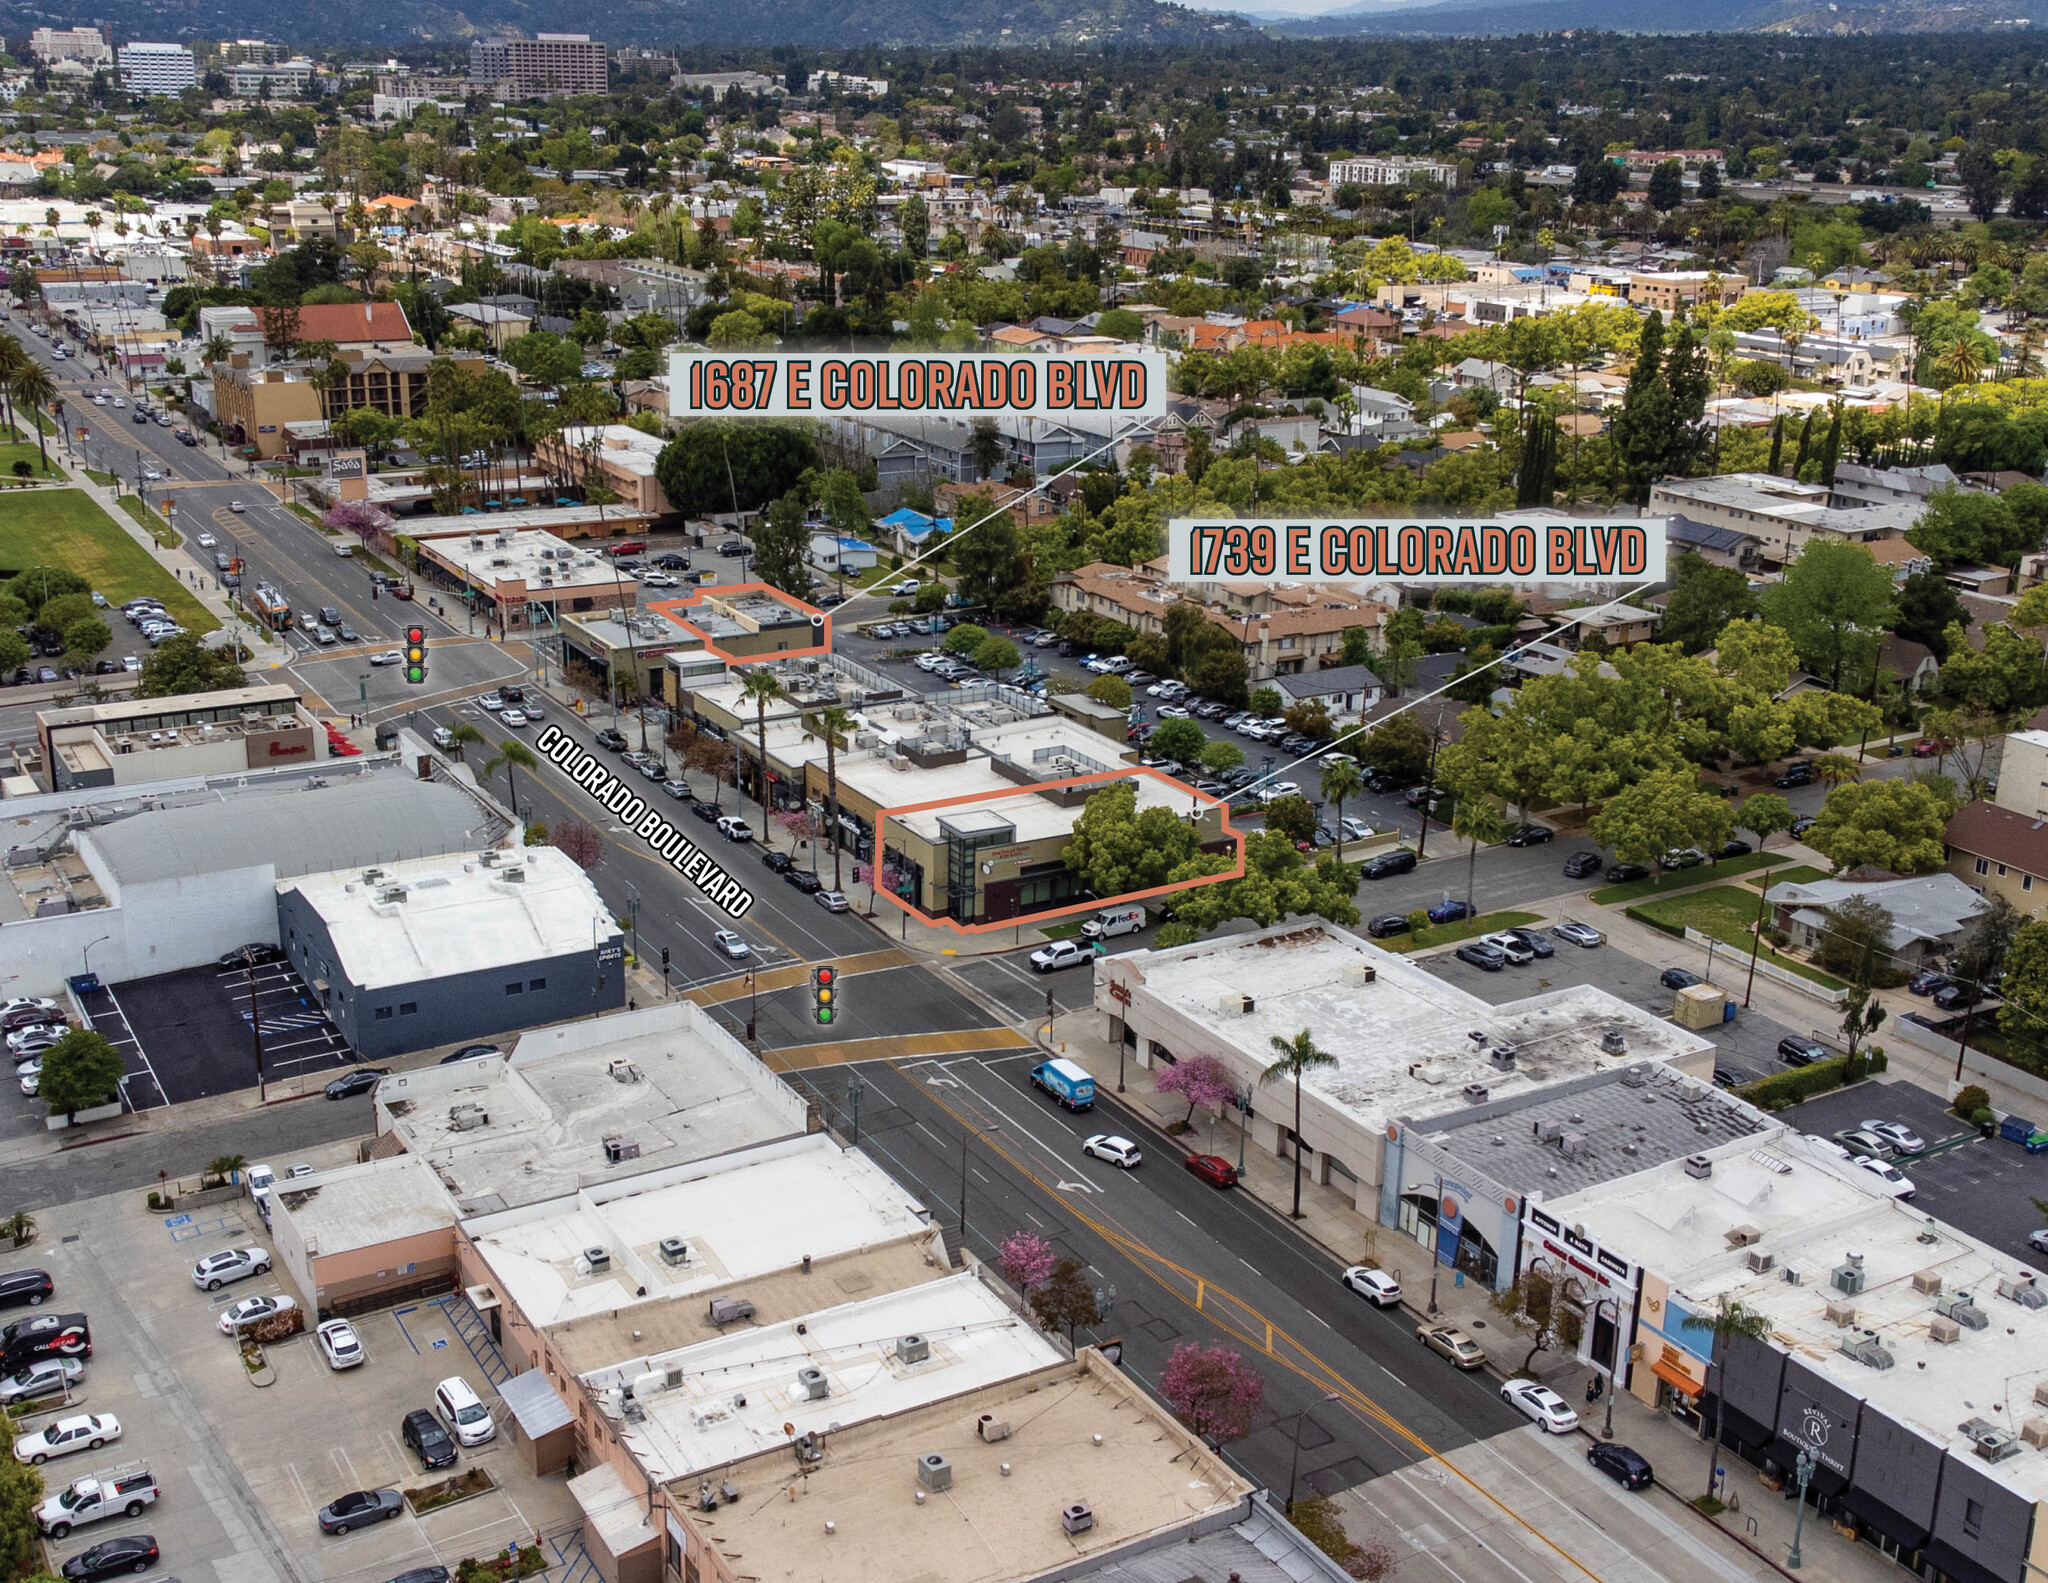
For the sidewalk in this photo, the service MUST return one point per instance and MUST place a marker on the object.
(1759, 1519)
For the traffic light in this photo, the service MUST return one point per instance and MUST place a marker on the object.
(415, 654)
(823, 987)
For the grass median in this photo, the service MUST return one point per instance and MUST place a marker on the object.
(1685, 878)
(1455, 933)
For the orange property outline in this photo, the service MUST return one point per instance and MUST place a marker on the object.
(883, 816)
(673, 608)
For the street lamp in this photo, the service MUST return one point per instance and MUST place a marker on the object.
(1802, 1471)
(1294, 1465)
(102, 940)
(1435, 1259)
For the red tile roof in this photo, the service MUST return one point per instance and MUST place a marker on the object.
(347, 323)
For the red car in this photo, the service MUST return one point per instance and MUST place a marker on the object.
(626, 547)
(1213, 1169)
(1929, 749)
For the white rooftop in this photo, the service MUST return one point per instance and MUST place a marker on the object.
(665, 1077)
(1403, 1043)
(455, 914)
(628, 449)
(738, 1216)
(1811, 1218)
(495, 555)
(736, 1393)
(366, 1205)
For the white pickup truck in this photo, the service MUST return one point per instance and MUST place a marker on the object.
(121, 1491)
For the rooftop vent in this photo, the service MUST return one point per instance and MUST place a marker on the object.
(1699, 1165)
(1549, 1131)
(1840, 1313)
(674, 1251)
(811, 1385)
(1077, 1518)
(992, 1428)
(934, 1472)
(1635, 1076)
(1477, 1093)
(599, 1259)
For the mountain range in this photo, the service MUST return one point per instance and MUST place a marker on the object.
(1385, 18)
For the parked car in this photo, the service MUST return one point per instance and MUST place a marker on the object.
(422, 1431)
(1489, 958)
(1895, 1181)
(1450, 911)
(30, 1340)
(804, 880)
(458, 1406)
(1796, 1051)
(30, 1287)
(1541, 1404)
(112, 1557)
(1682, 857)
(49, 1377)
(62, 1436)
(1213, 1169)
(1579, 934)
(1386, 864)
(1954, 997)
(1732, 1077)
(1375, 1286)
(258, 953)
(1530, 835)
(1731, 848)
(1628, 1468)
(1538, 946)
(470, 1052)
(1678, 978)
(1622, 873)
(1927, 981)
(359, 1508)
(1897, 1134)
(1862, 1144)
(1798, 773)
(777, 862)
(1061, 954)
(340, 1344)
(831, 900)
(251, 1309)
(611, 740)
(1387, 923)
(734, 828)
(231, 1264)
(1117, 1151)
(1451, 1343)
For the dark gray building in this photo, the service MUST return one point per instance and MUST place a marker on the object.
(413, 955)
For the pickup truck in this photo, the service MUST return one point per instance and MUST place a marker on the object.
(122, 1491)
(1067, 1082)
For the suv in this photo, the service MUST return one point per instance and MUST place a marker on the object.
(1795, 1051)
(422, 1431)
(1797, 773)
(1387, 863)
(25, 1286)
(44, 1336)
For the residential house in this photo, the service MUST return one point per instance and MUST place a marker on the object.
(1369, 326)
(1782, 514)
(1139, 597)
(908, 530)
(1912, 663)
(1900, 558)
(835, 555)
(1347, 691)
(1716, 545)
(2001, 852)
(500, 326)
(1618, 626)
(1984, 580)
(1929, 912)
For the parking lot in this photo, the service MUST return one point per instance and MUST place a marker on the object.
(245, 1462)
(186, 1035)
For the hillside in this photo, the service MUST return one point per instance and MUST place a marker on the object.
(1510, 17)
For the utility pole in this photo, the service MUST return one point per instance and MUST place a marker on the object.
(255, 1024)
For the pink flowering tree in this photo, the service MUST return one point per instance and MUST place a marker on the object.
(1202, 1081)
(1213, 1391)
(359, 517)
(1025, 1258)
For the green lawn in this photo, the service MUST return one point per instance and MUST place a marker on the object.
(1681, 878)
(1727, 912)
(10, 454)
(1452, 933)
(62, 527)
(151, 523)
(1798, 874)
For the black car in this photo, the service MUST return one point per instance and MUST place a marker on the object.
(1482, 955)
(112, 1557)
(360, 1081)
(1731, 1077)
(1927, 981)
(709, 812)
(780, 862)
(731, 548)
(1803, 823)
(1954, 997)
(1536, 940)
(422, 1431)
(1796, 774)
(804, 880)
(422, 1575)
(1735, 848)
(1678, 978)
(255, 952)
(1580, 864)
(829, 601)
(359, 1507)
(25, 1286)
(1795, 1051)
(1380, 782)
(1387, 923)
(1629, 1469)
(1388, 863)
(1622, 873)
(471, 1052)
(1531, 835)
(611, 740)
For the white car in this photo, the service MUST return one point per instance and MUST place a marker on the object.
(1355, 829)
(232, 1264)
(732, 945)
(1117, 1151)
(1172, 712)
(734, 828)
(237, 507)
(36, 1033)
(444, 739)
(1277, 790)
(515, 719)
(1511, 946)
(251, 1309)
(1061, 953)
(207, 541)
(30, 1003)
(907, 587)
(340, 1344)
(86, 1432)
(659, 580)
(1897, 1134)
(493, 701)
(1542, 1405)
(1375, 1286)
(31, 1078)
(388, 657)
(1895, 1181)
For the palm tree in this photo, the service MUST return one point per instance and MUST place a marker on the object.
(35, 389)
(1340, 780)
(13, 360)
(21, 1226)
(224, 1166)
(833, 725)
(761, 685)
(1478, 822)
(460, 737)
(511, 755)
(1728, 1321)
(1962, 363)
(218, 348)
(1836, 769)
(1297, 1055)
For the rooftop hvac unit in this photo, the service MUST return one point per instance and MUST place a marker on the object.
(490, 858)
(1742, 1236)
(1612, 1042)
(620, 1148)
(934, 1472)
(1927, 1282)
(1945, 1332)
(992, 1428)
(516, 875)
(1847, 1278)
(1503, 1057)
(730, 1310)
(1698, 1165)
(1865, 1347)
(912, 1349)
(1792, 1275)
(1235, 1005)
(807, 1448)
(598, 1258)
(1760, 1261)
(1573, 1145)
(648, 1385)
(811, 1385)
(1477, 1093)
(623, 1071)
(1635, 1076)
(1077, 1518)
(467, 1118)
(1358, 973)
(1957, 1306)
(1992, 1443)
(1549, 1131)
(633, 1412)
(2035, 1433)
(2021, 1289)
(1841, 1314)
(674, 1251)
(390, 893)
(475, 543)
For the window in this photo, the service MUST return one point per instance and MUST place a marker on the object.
(536, 983)
(1983, 865)
(514, 988)
(2001, 871)
(410, 1008)
(383, 1014)
(1973, 1517)
(2026, 882)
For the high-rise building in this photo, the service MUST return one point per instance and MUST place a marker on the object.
(251, 52)
(542, 66)
(157, 68)
(86, 44)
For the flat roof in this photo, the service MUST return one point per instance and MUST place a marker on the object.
(1029, 815)
(667, 1077)
(252, 700)
(495, 553)
(1403, 1043)
(618, 445)
(363, 1206)
(1811, 1212)
(738, 1216)
(736, 1392)
(441, 916)
(1079, 1431)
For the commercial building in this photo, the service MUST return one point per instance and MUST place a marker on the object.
(1669, 290)
(157, 68)
(522, 578)
(406, 956)
(261, 80)
(623, 456)
(1904, 1357)
(1782, 514)
(1409, 1047)
(135, 741)
(541, 67)
(634, 656)
(1392, 172)
(753, 624)
(87, 45)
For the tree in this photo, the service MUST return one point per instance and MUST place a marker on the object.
(1340, 779)
(36, 390)
(182, 664)
(1292, 816)
(1267, 702)
(1887, 824)
(545, 358)
(2024, 990)
(21, 1492)
(1213, 1391)
(782, 542)
(915, 220)
(1315, 1516)
(1066, 1301)
(80, 1070)
(1763, 816)
(1116, 692)
(1398, 746)
(1660, 813)
(964, 639)
(985, 447)
(986, 559)
(1296, 1056)
(996, 655)
(1642, 429)
(1730, 1321)
(1856, 942)
(1927, 607)
(733, 465)
(1218, 756)
(1967, 527)
(581, 842)
(833, 726)
(1180, 740)
(462, 737)
(1835, 601)
(510, 758)
(1981, 956)
(1667, 185)
(1982, 178)
(20, 1227)
(1201, 1080)
(86, 637)
(1117, 849)
(1704, 599)
(1537, 1306)
(2005, 676)
(1025, 1258)
(764, 687)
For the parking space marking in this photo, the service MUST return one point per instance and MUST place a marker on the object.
(305, 1500)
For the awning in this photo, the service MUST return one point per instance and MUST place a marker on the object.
(1676, 1378)
(1901, 1531)
(1959, 1567)
(535, 1406)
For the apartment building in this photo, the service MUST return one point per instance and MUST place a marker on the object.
(1668, 291)
(624, 456)
(158, 68)
(543, 66)
(84, 44)
(1392, 172)
(1782, 514)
